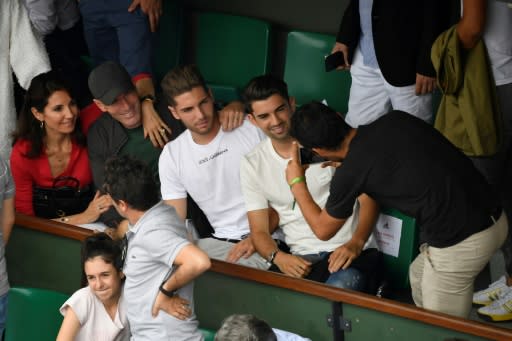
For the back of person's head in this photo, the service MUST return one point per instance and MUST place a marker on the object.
(36, 98)
(315, 125)
(131, 180)
(261, 88)
(244, 327)
(180, 80)
(101, 245)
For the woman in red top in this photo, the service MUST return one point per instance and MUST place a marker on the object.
(49, 145)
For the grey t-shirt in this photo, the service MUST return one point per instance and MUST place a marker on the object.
(6, 192)
(153, 244)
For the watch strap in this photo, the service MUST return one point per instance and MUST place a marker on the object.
(147, 97)
(271, 257)
(167, 292)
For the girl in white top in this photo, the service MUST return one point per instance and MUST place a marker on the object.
(96, 312)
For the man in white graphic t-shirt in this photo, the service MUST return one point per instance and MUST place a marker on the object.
(204, 161)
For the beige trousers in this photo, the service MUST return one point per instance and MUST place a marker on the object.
(219, 249)
(442, 278)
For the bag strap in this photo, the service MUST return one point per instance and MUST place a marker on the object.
(75, 183)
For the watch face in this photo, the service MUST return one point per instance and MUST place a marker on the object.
(147, 98)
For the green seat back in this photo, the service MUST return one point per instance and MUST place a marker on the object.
(209, 335)
(230, 51)
(168, 47)
(397, 268)
(33, 314)
(304, 71)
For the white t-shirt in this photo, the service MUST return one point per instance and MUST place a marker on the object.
(264, 184)
(211, 175)
(95, 322)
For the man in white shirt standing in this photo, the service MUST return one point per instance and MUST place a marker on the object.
(204, 161)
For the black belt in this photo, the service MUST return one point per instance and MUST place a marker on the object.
(229, 240)
(280, 244)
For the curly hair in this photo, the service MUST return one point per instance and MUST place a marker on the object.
(130, 180)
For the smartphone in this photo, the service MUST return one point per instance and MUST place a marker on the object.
(334, 60)
(307, 156)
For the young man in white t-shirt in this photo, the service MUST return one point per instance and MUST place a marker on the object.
(204, 161)
(264, 186)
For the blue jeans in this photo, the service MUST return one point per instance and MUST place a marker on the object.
(113, 33)
(350, 278)
(3, 312)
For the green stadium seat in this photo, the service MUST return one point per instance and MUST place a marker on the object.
(33, 314)
(209, 335)
(230, 50)
(168, 49)
(304, 71)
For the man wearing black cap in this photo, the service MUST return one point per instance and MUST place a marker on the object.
(402, 162)
(119, 130)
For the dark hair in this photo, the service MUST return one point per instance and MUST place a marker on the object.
(262, 87)
(315, 125)
(182, 79)
(100, 244)
(245, 327)
(130, 180)
(27, 126)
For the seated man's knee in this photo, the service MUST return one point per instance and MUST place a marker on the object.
(350, 278)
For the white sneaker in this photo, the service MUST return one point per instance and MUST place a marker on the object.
(492, 293)
(499, 310)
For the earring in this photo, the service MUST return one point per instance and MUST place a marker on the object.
(41, 125)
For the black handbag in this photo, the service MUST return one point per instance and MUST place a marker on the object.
(64, 198)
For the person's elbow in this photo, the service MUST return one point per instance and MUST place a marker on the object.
(325, 227)
(323, 232)
(324, 235)
(469, 35)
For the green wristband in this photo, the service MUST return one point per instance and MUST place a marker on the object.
(297, 180)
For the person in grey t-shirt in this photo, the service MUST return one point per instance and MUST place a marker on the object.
(6, 223)
(160, 263)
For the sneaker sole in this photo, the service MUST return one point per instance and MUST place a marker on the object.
(481, 304)
(495, 318)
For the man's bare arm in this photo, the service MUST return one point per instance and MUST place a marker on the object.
(191, 262)
(323, 225)
(472, 24)
(152, 123)
(345, 254)
(260, 232)
(180, 205)
(262, 239)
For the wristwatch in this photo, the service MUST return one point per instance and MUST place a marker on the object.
(167, 292)
(147, 97)
(270, 259)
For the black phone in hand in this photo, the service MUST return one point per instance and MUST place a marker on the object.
(334, 60)
(308, 156)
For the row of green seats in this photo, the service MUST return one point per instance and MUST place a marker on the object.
(230, 50)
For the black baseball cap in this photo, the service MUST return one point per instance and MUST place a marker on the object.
(109, 80)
